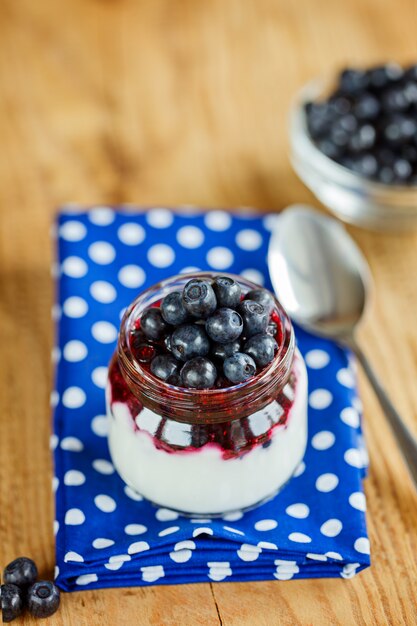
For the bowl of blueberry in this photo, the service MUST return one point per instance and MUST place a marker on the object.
(206, 395)
(354, 144)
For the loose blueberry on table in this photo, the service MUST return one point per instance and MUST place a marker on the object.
(12, 603)
(43, 599)
(21, 590)
(209, 335)
(21, 572)
(369, 123)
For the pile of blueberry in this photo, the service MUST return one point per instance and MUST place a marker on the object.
(209, 335)
(21, 589)
(369, 123)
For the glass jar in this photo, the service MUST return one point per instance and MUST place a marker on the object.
(206, 452)
(351, 197)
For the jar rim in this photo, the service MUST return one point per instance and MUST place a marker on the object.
(202, 405)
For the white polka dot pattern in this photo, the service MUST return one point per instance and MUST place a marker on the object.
(266, 524)
(358, 500)
(103, 466)
(159, 218)
(102, 291)
(253, 275)
(105, 503)
(75, 307)
(190, 237)
(362, 545)
(74, 478)
(320, 399)
(131, 234)
(105, 530)
(218, 220)
(100, 543)
(161, 255)
(74, 266)
(101, 252)
(101, 216)
(327, 482)
(73, 398)
(104, 332)
(75, 351)
(317, 359)
(72, 231)
(298, 510)
(331, 528)
(248, 239)
(323, 440)
(131, 276)
(220, 258)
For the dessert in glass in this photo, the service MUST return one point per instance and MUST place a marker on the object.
(206, 395)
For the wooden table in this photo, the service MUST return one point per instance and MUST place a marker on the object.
(166, 102)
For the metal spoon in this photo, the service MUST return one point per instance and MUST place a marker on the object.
(322, 280)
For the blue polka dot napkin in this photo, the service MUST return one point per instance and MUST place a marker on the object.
(106, 534)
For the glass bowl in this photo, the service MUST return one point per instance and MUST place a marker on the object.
(351, 197)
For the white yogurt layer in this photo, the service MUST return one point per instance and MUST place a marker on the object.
(201, 481)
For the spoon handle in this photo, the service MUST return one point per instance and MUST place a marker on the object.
(405, 439)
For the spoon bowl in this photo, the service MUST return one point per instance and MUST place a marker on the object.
(322, 279)
(318, 273)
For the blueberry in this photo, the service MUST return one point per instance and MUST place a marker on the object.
(224, 326)
(381, 76)
(239, 367)
(167, 343)
(199, 298)
(227, 291)
(339, 136)
(367, 107)
(21, 572)
(385, 156)
(263, 296)
(174, 379)
(12, 603)
(173, 310)
(189, 341)
(339, 104)
(255, 317)
(319, 118)
(366, 165)
(408, 127)
(153, 324)
(330, 149)
(402, 169)
(272, 329)
(411, 73)
(199, 373)
(262, 348)
(363, 139)
(221, 351)
(394, 100)
(353, 81)
(392, 132)
(43, 599)
(410, 92)
(386, 175)
(409, 153)
(164, 366)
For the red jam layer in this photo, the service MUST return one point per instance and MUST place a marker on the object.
(235, 437)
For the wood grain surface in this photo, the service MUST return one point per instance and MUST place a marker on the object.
(185, 102)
